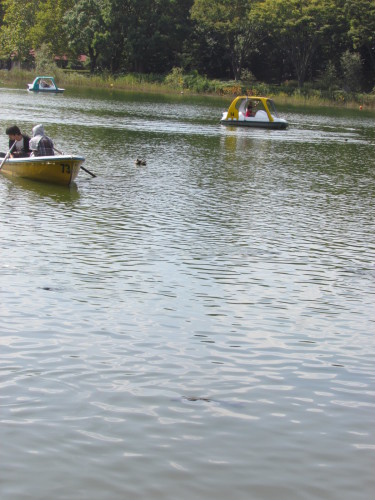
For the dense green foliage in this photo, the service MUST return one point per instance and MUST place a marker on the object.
(328, 42)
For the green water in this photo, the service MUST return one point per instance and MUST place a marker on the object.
(198, 327)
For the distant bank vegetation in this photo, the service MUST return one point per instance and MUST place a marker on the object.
(322, 50)
(179, 82)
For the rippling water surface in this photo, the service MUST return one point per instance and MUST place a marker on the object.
(201, 327)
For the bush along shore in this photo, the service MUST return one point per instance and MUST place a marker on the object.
(192, 83)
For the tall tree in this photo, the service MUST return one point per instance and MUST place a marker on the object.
(298, 27)
(361, 18)
(17, 21)
(231, 19)
(48, 27)
(116, 16)
(206, 52)
(85, 29)
(155, 34)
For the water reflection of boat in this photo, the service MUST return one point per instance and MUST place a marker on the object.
(53, 192)
(249, 111)
(62, 169)
(44, 84)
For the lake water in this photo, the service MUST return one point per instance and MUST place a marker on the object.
(201, 327)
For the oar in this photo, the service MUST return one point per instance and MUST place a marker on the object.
(8, 154)
(88, 171)
(83, 168)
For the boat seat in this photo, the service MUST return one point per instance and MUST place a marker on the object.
(261, 116)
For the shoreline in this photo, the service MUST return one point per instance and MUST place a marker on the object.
(151, 84)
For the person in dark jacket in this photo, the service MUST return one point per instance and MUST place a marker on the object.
(22, 147)
(40, 144)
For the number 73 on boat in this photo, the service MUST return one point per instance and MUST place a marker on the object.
(250, 111)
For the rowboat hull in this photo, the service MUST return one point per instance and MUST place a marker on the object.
(62, 169)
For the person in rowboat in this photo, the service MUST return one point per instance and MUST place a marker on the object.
(40, 144)
(22, 148)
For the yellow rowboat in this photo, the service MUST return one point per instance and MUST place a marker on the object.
(62, 169)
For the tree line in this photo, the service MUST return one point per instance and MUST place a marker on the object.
(266, 40)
